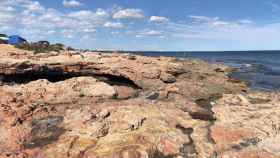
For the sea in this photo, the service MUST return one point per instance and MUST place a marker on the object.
(260, 68)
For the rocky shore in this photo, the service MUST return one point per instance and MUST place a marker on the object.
(100, 105)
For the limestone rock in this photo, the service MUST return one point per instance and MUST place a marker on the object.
(104, 105)
(167, 78)
(124, 92)
(247, 127)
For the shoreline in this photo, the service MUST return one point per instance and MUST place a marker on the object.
(123, 105)
(252, 73)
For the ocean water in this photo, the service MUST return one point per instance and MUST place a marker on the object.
(260, 68)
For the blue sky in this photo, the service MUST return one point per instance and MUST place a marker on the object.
(191, 25)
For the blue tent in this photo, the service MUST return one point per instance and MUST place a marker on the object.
(16, 40)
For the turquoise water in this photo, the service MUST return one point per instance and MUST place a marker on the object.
(260, 68)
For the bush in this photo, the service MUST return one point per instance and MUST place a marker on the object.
(41, 47)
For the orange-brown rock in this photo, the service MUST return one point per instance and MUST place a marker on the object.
(102, 105)
(125, 92)
(246, 127)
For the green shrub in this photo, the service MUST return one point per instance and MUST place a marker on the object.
(41, 48)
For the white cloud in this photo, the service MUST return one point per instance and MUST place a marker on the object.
(68, 33)
(7, 8)
(87, 37)
(100, 14)
(147, 33)
(87, 20)
(245, 21)
(6, 17)
(203, 19)
(5, 28)
(39, 23)
(129, 14)
(216, 23)
(35, 21)
(115, 33)
(216, 29)
(139, 36)
(89, 30)
(152, 33)
(7, 14)
(50, 32)
(158, 19)
(33, 6)
(116, 25)
(83, 14)
(71, 3)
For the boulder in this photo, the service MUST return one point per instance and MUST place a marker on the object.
(124, 92)
(175, 68)
(167, 78)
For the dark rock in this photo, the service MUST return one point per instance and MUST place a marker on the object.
(246, 143)
(131, 57)
(152, 95)
(219, 70)
(44, 131)
(158, 154)
(167, 78)
(202, 108)
(188, 149)
(258, 100)
(203, 115)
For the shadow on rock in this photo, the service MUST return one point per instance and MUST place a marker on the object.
(158, 154)
(44, 131)
(188, 150)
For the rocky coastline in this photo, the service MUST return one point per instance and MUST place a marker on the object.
(109, 105)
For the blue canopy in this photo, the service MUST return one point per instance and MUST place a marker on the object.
(16, 40)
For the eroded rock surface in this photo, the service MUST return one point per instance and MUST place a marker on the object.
(99, 105)
(247, 127)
